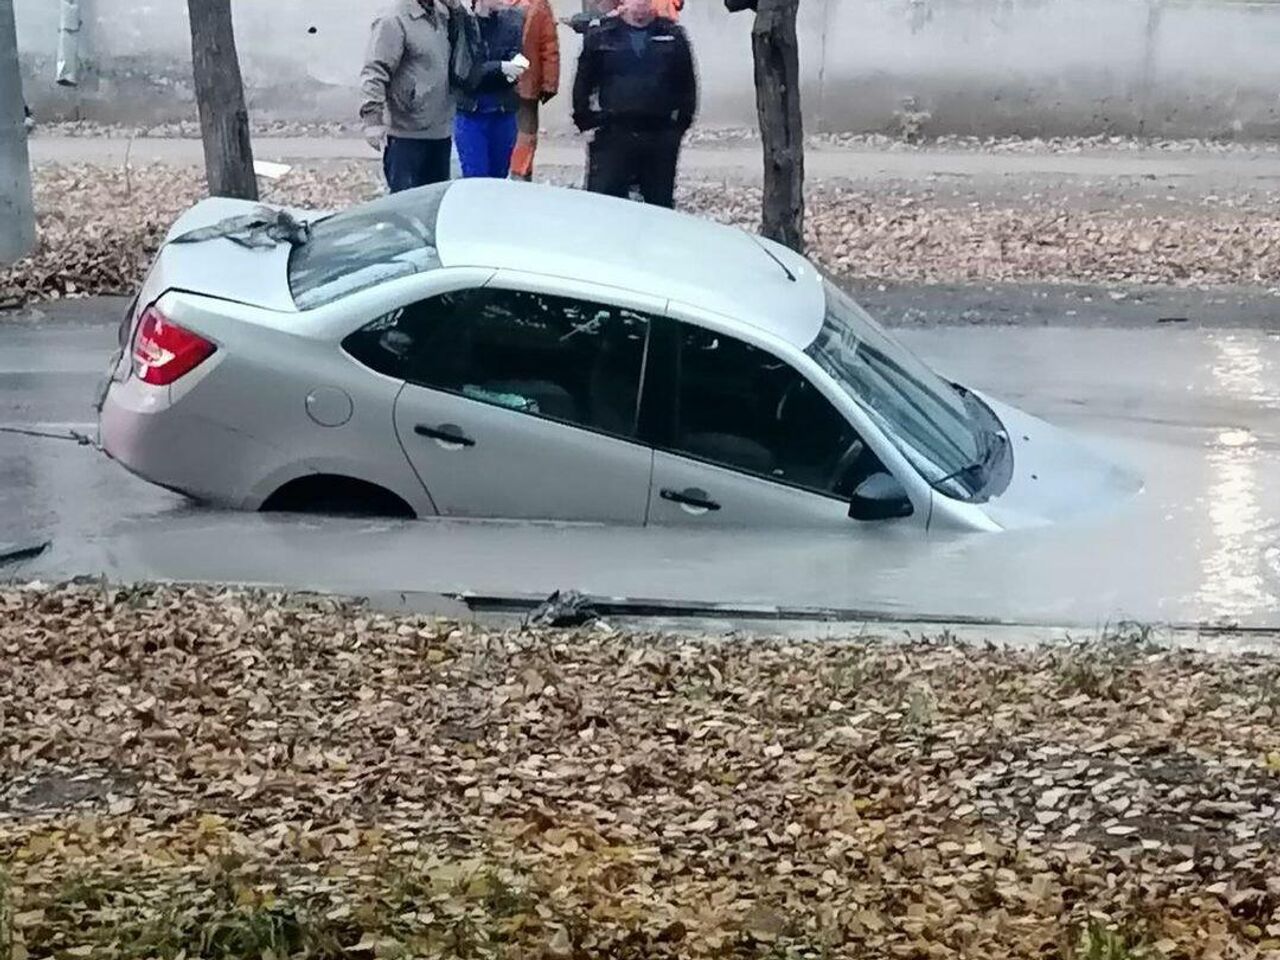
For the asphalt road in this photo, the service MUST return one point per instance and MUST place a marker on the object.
(1194, 407)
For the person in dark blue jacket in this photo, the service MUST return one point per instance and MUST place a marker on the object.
(485, 127)
(637, 89)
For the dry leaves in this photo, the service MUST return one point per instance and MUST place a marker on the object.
(233, 773)
(912, 237)
(99, 228)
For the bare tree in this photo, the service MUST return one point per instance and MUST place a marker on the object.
(776, 54)
(224, 118)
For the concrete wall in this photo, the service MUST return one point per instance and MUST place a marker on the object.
(17, 222)
(1032, 67)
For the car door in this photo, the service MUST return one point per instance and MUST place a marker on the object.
(744, 439)
(520, 404)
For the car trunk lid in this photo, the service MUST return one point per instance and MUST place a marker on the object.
(220, 267)
(217, 267)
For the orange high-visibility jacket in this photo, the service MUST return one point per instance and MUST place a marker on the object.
(542, 49)
(668, 8)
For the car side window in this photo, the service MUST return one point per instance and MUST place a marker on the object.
(555, 357)
(741, 407)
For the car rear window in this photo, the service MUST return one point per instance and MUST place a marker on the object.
(366, 245)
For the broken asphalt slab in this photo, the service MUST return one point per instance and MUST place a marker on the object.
(894, 304)
(14, 553)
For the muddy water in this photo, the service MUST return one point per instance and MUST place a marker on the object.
(1196, 412)
(1199, 414)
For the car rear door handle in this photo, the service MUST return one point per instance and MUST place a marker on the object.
(690, 497)
(446, 433)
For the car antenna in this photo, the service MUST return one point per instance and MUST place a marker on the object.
(790, 276)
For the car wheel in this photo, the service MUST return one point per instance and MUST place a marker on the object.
(337, 496)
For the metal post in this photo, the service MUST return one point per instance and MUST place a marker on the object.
(1147, 76)
(69, 44)
(821, 118)
(17, 217)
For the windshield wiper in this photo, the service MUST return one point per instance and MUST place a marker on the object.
(991, 441)
(963, 471)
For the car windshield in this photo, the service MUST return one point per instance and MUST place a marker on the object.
(927, 419)
(366, 245)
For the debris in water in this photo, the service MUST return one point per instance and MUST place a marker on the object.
(563, 609)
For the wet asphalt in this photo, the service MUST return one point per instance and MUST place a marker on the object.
(1191, 401)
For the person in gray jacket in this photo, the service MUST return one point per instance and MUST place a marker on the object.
(406, 89)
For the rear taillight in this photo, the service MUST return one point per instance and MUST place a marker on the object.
(164, 351)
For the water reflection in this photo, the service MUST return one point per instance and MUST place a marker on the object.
(1234, 563)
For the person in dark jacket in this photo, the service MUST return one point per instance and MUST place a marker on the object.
(636, 88)
(485, 128)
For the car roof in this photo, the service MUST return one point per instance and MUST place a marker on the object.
(508, 225)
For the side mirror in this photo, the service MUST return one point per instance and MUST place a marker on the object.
(880, 497)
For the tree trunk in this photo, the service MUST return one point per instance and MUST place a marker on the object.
(777, 73)
(224, 119)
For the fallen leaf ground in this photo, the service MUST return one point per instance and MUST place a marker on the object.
(221, 773)
(99, 228)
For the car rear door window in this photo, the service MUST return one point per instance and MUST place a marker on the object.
(741, 407)
(369, 244)
(555, 357)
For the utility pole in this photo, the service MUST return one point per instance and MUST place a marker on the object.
(17, 216)
(776, 55)
(224, 118)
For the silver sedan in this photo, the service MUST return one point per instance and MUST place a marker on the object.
(486, 349)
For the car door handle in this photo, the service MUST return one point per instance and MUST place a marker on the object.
(691, 497)
(445, 433)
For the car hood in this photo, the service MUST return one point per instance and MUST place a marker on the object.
(1056, 475)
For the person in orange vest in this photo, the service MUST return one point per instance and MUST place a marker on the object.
(667, 9)
(539, 83)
